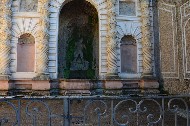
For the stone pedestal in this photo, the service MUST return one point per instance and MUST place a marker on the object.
(75, 87)
(4, 85)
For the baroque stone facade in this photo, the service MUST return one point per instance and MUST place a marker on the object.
(160, 30)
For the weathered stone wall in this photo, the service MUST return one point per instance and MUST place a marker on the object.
(173, 49)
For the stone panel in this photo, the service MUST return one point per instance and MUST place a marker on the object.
(28, 5)
(128, 55)
(127, 8)
(25, 53)
(168, 46)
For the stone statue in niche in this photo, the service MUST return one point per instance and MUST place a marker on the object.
(28, 5)
(79, 63)
(78, 41)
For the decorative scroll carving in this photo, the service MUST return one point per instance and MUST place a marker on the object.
(5, 33)
(28, 5)
(42, 44)
(146, 39)
(111, 42)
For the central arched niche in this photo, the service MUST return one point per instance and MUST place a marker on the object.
(78, 44)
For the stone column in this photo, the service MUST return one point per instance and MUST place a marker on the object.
(43, 39)
(111, 40)
(146, 39)
(5, 37)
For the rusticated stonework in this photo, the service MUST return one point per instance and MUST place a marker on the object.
(146, 40)
(111, 39)
(42, 45)
(5, 33)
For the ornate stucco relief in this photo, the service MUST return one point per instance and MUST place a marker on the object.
(146, 38)
(43, 34)
(111, 39)
(5, 33)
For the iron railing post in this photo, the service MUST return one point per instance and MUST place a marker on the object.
(163, 110)
(19, 113)
(66, 110)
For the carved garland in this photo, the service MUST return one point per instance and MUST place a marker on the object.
(111, 42)
(5, 33)
(146, 38)
(42, 44)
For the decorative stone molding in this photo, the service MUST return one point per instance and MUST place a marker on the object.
(185, 27)
(111, 39)
(173, 1)
(5, 33)
(146, 39)
(43, 34)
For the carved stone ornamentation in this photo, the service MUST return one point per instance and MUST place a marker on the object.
(111, 39)
(43, 35)
(146, 39)
(5, 33)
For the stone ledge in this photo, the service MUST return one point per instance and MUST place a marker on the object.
(150, 84)
(4, 77)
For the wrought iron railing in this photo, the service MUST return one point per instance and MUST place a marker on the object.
(95, 111)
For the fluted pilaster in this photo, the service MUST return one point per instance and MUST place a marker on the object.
(43, 35)
(111, 39)
(146, 38)
(5, 37)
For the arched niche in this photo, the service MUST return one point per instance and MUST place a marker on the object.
(128, 51)
(26, 53)
(78, 41)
